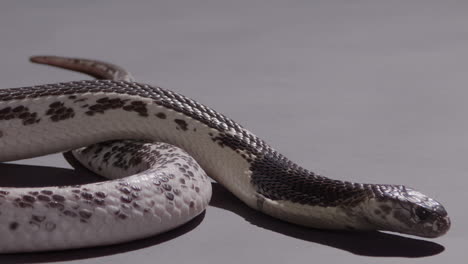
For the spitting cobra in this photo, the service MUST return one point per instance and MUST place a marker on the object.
(157, 147)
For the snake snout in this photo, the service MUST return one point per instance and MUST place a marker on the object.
(442, 225)
(435, 224)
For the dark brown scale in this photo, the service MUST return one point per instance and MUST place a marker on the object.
(126, 199)
(136, 188)
(25, 205)
(125, 206)
(167, 187)
(169, 196)
(125, 190)
(128, 108)
(86, 195)
(161, 115)
(156, 182)
(102, 100)
(57, 205)
(85, 214)
(43, 198)
(56, 105)
(97, 108)
(58, 198)
(122, 216)
(100, 194)
(70, 213)
(99, 201)
(46, 192)
(29, 198)
(18, 109)
(38, 218)
(5, 111)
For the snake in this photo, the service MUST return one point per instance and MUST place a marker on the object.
(157, 148)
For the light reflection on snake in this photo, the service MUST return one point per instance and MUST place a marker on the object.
(156, 187)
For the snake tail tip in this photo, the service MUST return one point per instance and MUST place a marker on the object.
(42, 59)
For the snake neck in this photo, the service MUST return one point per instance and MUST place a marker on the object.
(287, 191)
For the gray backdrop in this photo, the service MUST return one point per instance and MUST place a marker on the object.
(369, 91)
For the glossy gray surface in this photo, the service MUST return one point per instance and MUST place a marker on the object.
(370, 91)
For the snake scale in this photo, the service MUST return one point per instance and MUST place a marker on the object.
(112, 126)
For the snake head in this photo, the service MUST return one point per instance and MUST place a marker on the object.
(401, 209)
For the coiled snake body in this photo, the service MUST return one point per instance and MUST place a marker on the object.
(156, 186)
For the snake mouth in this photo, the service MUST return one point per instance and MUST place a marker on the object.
(442, 225)
(435, 228)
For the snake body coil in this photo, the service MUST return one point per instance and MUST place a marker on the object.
(167, 186)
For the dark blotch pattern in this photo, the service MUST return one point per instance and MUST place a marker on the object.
(58, 111)
(161, 115)
(14, 225)
(124, 156)
(181, 124)
(19, 112)
(138, 107)
(121, 153)
(104, 104)
(58, 202)
(79, 203)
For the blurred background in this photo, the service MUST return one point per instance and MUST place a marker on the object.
(367, 91)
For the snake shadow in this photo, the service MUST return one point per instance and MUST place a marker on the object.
(372, 244)
(375, 244)
(13, 175)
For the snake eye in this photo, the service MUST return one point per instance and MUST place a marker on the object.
(422, 213)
